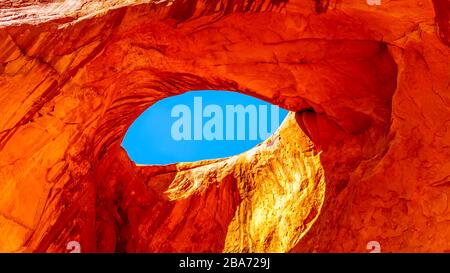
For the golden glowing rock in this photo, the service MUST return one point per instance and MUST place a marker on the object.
(282, 187)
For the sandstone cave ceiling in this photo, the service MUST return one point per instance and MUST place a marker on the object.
(363, 155)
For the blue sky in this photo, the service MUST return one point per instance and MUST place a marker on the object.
(149, 139)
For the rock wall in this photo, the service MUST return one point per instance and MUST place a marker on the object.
(363, 156)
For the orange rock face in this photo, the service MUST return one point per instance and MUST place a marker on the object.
(363, 155)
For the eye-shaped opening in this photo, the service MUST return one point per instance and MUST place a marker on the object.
(200, 125)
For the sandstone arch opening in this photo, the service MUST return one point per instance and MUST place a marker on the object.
(262, 200)
(368, 85)
(200, 125)
(272, 194)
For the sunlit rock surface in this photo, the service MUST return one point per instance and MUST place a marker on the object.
(363, 158)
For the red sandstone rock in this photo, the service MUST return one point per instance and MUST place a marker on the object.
(365, 156)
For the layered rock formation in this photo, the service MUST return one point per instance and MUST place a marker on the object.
(363, 158)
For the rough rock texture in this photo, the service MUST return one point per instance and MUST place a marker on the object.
(364, 157)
